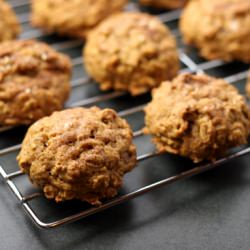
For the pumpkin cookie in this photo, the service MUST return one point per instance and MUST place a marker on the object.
(197, 116)
(72, 18)
(219, 29)
(78, 154)
(34, 81)
(134, 52)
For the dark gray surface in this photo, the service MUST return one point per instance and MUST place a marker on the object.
(210, 211)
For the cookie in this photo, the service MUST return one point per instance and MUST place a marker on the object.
(34, 81)
(72, 18)
(197, 116)
(9, 25)
(164, 4)
(78, 154)
(132, 52)
(219, 29)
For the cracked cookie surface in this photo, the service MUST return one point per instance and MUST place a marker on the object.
(78, 154)
(131, 51)
(74, 18)
(34, 81)
(197, 116)
(219, 29)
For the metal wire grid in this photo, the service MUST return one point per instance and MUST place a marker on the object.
(190, 65)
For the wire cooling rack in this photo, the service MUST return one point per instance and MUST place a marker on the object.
(233, 73)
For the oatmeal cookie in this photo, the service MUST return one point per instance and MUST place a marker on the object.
(78, 154)
(219, 29)
(197, 116)
(9, 25)
(131, 51)
(72, 18)
(165, 4)
(34, 81)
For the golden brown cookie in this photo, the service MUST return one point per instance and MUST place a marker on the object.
(131, 51)
(219, 29)
(78, 154)
(9, 25)
(34, 81)
(165, 4)
(72, 18)
(197, 116)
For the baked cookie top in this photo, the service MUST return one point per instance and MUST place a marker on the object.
(197, 116)
(131, 51)
(225, 8)
(73, 18)
(220, 29)
(34, 81)
(78, 154)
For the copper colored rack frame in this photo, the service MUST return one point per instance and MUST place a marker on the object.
(189, 65)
